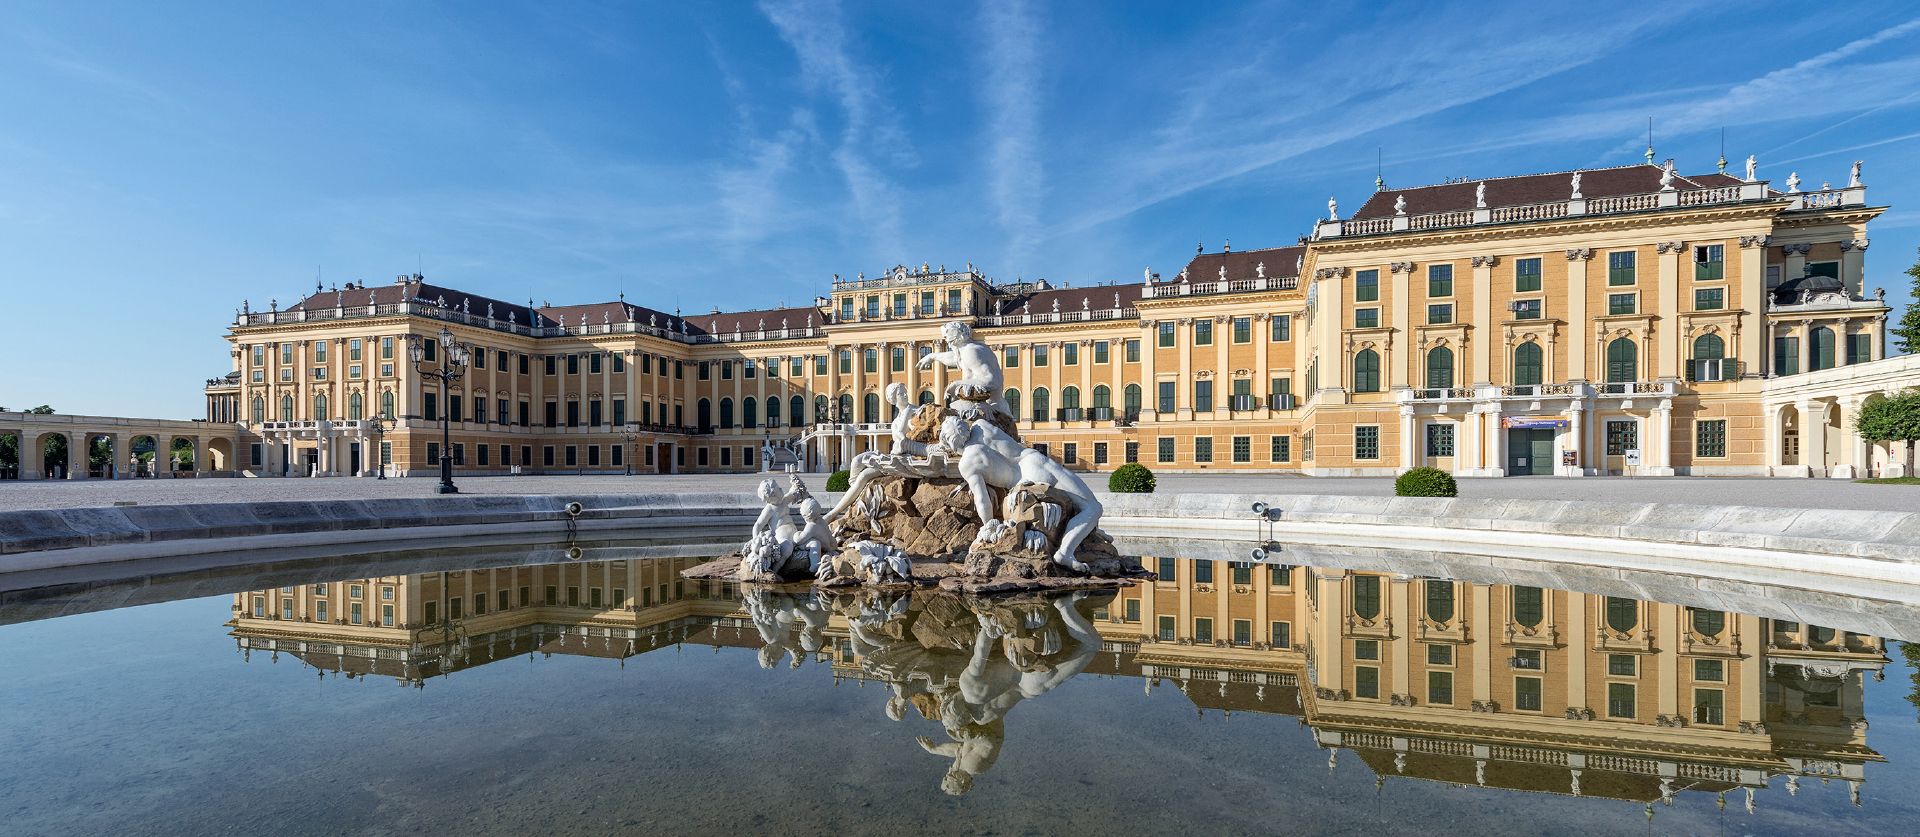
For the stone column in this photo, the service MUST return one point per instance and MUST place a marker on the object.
(1813, 435)
(1409, 455)
(1469, 443)
(77, 449)
(1662, 459)
(1149, 387)
(1183, 391)
(1481, 356)
(1752, 348)
(1496, 445)
(1667, 359)
(1222, 371)
(1262, 348)
(1856, 459)
(1577, 322)
(1805, 330)
(1576, 440)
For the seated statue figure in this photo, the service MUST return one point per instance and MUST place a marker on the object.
(901, 462)
(772, 538)
(989, 457)
(980, 381)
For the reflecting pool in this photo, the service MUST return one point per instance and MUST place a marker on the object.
(499, 690)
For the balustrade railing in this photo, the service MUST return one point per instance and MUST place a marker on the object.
(1167, 290)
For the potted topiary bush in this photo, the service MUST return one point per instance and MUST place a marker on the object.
(1131, 478)
(1426, 482)
(837, 481)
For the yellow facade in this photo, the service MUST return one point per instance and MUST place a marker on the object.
(1631, 330)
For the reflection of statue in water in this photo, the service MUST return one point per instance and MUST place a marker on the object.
(967, 661)
(777, 614)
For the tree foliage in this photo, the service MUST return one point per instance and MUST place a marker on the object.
(1907, 329)
(1895, 419)
(1131, 478)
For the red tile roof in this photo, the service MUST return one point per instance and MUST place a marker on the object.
(1093, 297)
(1525, 189)
(1279, 261)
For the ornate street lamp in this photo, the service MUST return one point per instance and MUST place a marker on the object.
(629, 433)
(379, 425)
(453, 360)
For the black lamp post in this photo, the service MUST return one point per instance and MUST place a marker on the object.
(379, 424)
(453, 359)
(629, 433)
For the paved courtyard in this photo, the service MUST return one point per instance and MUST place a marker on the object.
(1784, 493)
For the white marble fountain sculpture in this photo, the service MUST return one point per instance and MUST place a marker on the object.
(957, 497)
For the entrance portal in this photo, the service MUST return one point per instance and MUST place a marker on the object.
(663, 458)
(1530, 452)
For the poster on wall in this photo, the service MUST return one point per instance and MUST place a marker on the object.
(1633, 457)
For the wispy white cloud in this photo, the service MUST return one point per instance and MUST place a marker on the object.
(1851, 148)
(818, 36)
(1012, 90)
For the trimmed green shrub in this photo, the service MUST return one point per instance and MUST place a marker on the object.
(1426, 482)
(837, 481)
(1131, 478)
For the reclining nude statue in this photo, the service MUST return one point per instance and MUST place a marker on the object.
(991, 458)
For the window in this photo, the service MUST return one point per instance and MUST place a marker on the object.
(1280, 328)
(1012, 397)
(1164, 448)
(1623, 615)
(1133, 351)
(1281, 448)
(1439, 314)
(1527, 309)
(1039, 355)
(1526, 275)
(1439, 280)
(1203, 448)
(870, 361)
(1710, 438)
(1707, 622)
(1203, 630)
(1070, 353)
(1529, 606)
(1242, 329)
(1070, 453)
(1859, 348)
(1709, 706)
(1100, 351)
(1366, 318)
(1366, 649)
(1709, 262)
(1620, 700)
(1623, 361)
(1618, 304)
(1041, 404)
(1366, 442)
(1786, 355)
(1166, 334)
(1243, 448)
(1440, 688)
(1620, 268)
(1203, 331)
(1010, 357)
(1167, 567)
(1243, 632)
(1366, 682)
(1203, 396)
(1366, 596)
(1822, 355)
(1366, 285)
(1622, 435)
(898, 359)
(1439, 597)
(1281, 635)
(1529, 364)
(1526, 694)
(1166, 628)
(1440, 368)
(1099, 453)
(1709, 299)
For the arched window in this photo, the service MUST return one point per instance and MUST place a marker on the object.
(1130, 399)
(1366, 371)
(821, 415)
(1623, 361)
(703, 413)
(1102, 397)
(1623, 615)
(1070, 398)
(1709, 347)
(797, 410)
(1529, 366)
(1822, 354)
(846, 408)
(1366, 596)
(259, 410)
(1439, 600)
(386, 405)
(286, 408)
(926, 395)
(1440, 368)
(1013, 403)
(1040, 404)
(320, 407)
(1529, 606)
(773, 411)
(870, 407)
(750, 413)
(355, 404)
(726, 412)
(1708, 622)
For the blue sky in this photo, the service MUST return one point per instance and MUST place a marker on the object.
(160, 162)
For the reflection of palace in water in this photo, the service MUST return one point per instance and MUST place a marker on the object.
(1492, 685)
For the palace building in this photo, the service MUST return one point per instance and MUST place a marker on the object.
(1626, 320)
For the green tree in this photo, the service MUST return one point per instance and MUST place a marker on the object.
(1907, 330)
(1895, 419)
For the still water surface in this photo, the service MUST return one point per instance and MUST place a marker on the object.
(594, 696)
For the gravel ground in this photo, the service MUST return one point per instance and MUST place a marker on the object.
(1780, 493)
